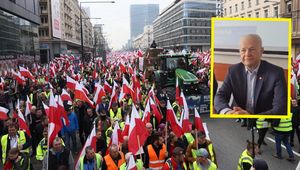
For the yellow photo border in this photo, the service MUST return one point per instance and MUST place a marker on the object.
(213, 115)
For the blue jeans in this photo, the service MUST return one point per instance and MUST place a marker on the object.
(285, 139)
(70, 136)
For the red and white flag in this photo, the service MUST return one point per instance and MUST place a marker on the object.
(116, 136)
(177, 95)
(90, 141)
(198, 122)
(65, 96)
(62, 112)
(172, 119)
(107, 87)
(114, 96)
(185, 123)
(131, 164)
(19, 78)
(140, 53)
(26, 73)
(81, 95)
(28, 106)
(147, 113)
(21, 121)
(126, 128)
(137, 132)
(155, 110)
(46, 108)
(55, 124)
(71, 83)
(3, 113)
(126, 89)
(99, 94)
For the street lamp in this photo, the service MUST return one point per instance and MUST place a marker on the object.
(81, 29)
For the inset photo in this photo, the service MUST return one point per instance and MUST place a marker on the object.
(251, 63)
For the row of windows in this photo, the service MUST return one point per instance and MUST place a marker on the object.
(44, 19)
(257, 13)
(242, 7)
(193, 5)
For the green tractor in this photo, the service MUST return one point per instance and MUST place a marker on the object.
(163, 69)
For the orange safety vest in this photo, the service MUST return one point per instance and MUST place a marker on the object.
(154, 161)
(111, 164)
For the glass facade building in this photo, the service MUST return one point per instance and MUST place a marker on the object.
(185, 25)
(19, 41)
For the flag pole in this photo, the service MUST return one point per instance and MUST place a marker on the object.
(48, 148)
(166, 135)
(196, 131)
(138, 139)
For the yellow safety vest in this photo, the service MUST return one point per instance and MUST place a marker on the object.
(212, 166)
(285, 125)
(262, 123)
(189, 138)
(98, 161)
(21, 141)
(139, 165)
(178, 114)
(245, 158)
(114, 116)
(41, 150)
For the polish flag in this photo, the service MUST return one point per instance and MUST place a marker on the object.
(71, 83)
(65, 96)
(99, 94)
(140, 53)
(107, 87)
(81, 95)
(155, 110)
(95, 74)
(198, 122)
(178, 97)
(26, 73)
(152, 94)
(171, 118)
(46, 108)
(126, 89)
(55, 124)
(131, 164)
(62, 112)
(114, 95)
(137, 132)
(116, 136)
(21, 121)
(28, 107)
(147, 113)
(19, 78)
(90, 141)
(122, 67)
(3, 113)
(185, 115)
(126, 128)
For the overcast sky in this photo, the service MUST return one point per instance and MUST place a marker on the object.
(116, 18)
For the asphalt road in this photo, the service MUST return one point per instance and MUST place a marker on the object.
(229, 140)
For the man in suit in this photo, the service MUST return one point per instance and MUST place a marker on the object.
(258, 87)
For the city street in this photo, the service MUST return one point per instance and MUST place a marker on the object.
(229, 140)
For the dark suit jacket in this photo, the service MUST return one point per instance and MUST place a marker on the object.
(270, 93)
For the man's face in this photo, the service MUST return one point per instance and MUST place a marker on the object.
(57, 146)
(90, 154)
(89, 112)
(149, 128)
(201, 159)
(180, 157)
(201, 140)
(161, 141)
(13, 156)
(114, 154)
(250, 52)
(12, 131)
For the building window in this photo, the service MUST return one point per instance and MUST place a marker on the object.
(225, 12)
(257, 14)
(243, 7)
(249, 15)
(257, 2)
(236, 8)
(266, 13)
(230, 10)
(289, 6)
(249, 3)
(276, 11)
(242, 16)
